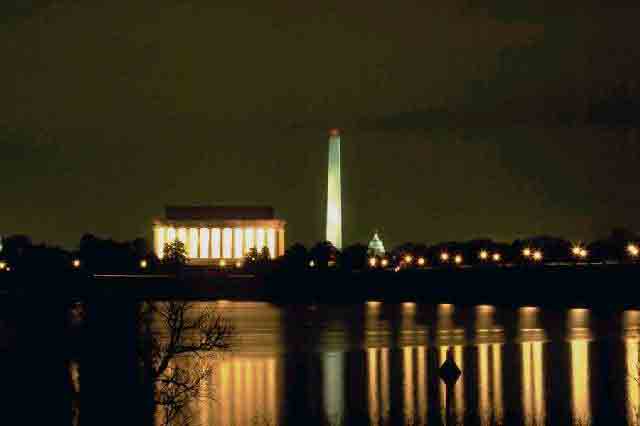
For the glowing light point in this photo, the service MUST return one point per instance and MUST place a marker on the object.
(484, 255)
(408, 258)
(444, 256)
(537, 255)
(3, 266)
(238, 264)
(143, 264)
(576, 250)
(312, 263)
(457, 259)
(384, 263)
(526, 252)
(223, 263)
(421, 261)
(497, 257)
(633, 250)
(372, 262)
(76, 263)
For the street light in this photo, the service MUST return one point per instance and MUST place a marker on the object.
(421, 261)
(497, 257)
(457, 259)
(444, 256)
(633, 250)
(143, 264)
(384, 263)
(484, 255)
(537, 255)
(526, 252)
(408, 258)
(223, 263)
(76, 263)
(238, 264)
(3, 266)
(312, 263)
(372, 262)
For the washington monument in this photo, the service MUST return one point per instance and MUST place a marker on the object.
(334, 197)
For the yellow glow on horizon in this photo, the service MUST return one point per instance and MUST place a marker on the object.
(204, 243)
(408, 258)
(537, 255)
(484, 255)
(444, 256)
(271, 242)
(238, 243)
(526, 252)
(216, 238)
(457, 259)
(193, 243)
(421, 261)
(227, 236)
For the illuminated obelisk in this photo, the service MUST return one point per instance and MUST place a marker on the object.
(334, 197)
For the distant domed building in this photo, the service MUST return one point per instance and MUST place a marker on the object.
(376, 247)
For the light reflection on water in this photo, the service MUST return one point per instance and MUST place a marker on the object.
(380, 360)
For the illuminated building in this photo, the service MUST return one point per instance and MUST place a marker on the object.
(376, 247)
(334, 197)
(211, 234)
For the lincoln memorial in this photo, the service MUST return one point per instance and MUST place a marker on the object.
(219, 232)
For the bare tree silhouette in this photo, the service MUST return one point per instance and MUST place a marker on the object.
(180, 341)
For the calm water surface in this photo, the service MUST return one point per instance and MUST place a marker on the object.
(376, 363)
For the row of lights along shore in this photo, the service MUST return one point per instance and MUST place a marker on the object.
(579, 252)
(535, 255)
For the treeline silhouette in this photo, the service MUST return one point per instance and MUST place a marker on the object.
(106, 256)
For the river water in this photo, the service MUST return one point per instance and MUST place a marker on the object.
(377, 363)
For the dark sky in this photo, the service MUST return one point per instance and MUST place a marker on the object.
(460, 119)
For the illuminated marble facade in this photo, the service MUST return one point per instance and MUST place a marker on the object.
(213, 233)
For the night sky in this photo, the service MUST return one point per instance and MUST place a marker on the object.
(460, 119)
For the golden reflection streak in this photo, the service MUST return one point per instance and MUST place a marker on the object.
(236, 393)
(422, 385)
(458, 388)
(632, 352)
(538, 382)
(631, 328)
(407, 370)
(484, 404)
(247, 388)
(272, 390)
(580, 381)
(579, 335)
(496, 351)
(533, 392)
(372, 370)
(527, 388)
(384, 383)
(224, 394)
(261, 407)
